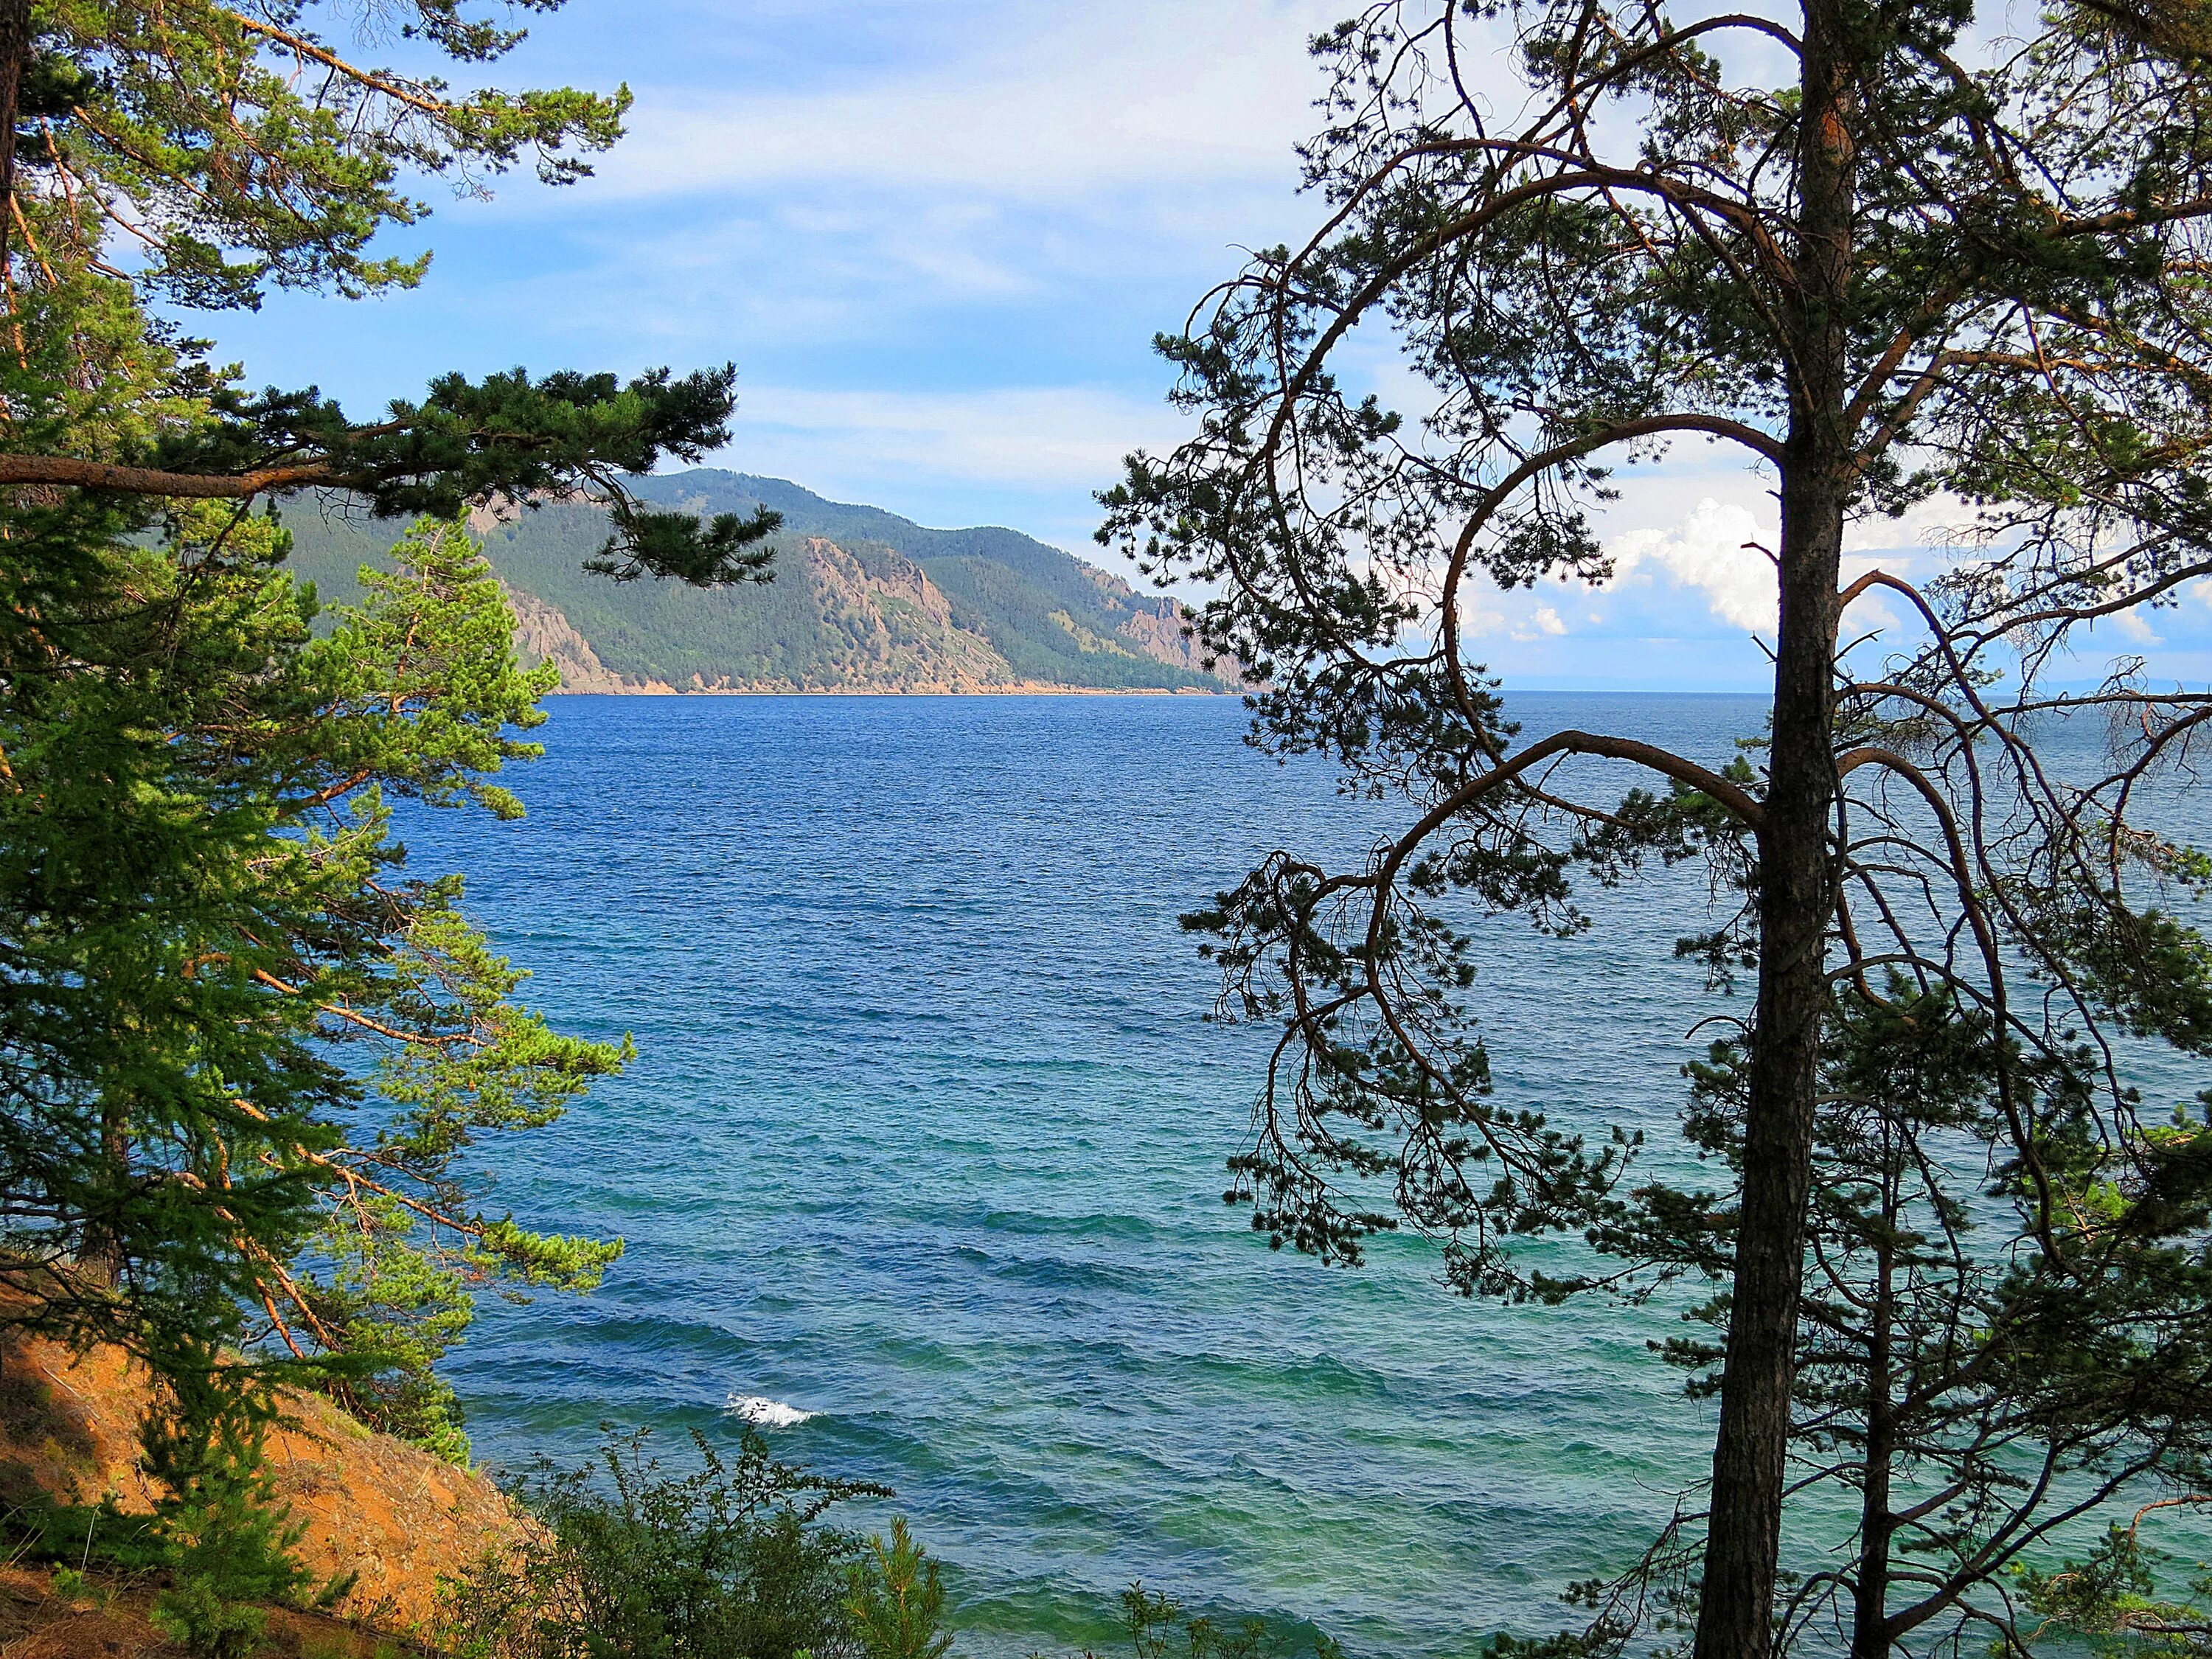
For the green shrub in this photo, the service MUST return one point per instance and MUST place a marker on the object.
(81, 1537)
(218, 1540)
(729, 1561)
(69, 1584)
(1161, 1628)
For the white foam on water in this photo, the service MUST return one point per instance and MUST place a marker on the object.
(764, 1412)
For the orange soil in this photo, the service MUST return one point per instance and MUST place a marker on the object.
(372, 1505)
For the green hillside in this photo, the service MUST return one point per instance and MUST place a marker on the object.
(890, 605)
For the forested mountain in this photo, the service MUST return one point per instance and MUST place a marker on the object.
(863, 600)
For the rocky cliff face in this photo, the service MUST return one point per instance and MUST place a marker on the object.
(1159, 627)
(543, 634)
(888, 628)
(895, 629)
(1157, 630)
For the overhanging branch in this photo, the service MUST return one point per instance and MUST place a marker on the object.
(68, 471)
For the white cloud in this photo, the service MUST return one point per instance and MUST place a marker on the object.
(1710, 552)
(1716, 551)
(1477, 624)
(1022, 438)
(1939, 521)
(1544, 621)
(1099, 98)
(2132, 625)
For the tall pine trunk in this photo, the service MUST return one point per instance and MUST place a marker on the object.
(14, 51)
(1870, 1598)
(1797, 883)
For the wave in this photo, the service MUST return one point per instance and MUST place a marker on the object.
(762, 1412)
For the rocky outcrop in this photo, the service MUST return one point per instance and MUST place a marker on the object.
(897, 628)
(1159, 629)
(543, 635)
(890, 629)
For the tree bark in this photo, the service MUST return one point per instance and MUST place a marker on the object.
(1871, 1596)
(1797, 897)
(148, 481)
(100, 1256)
(14, 51)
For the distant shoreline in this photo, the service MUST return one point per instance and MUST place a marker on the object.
(1099, 691)
(878, 691)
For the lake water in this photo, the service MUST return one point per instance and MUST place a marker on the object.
(925, 1138)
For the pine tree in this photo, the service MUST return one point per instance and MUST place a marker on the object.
(1883, 258)
(249, 1063)
(236, 150)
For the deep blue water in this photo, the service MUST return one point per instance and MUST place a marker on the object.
(926, 1136)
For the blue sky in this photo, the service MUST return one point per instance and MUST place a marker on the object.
(937, 236)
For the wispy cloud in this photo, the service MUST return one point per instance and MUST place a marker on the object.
(1147, 96)
(1027, 438)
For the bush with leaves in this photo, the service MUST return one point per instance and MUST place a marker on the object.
(730, 1560)
(1161, 1627)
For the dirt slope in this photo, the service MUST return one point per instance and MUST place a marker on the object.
(372, 1505)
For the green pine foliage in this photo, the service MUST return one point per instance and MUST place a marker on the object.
(226, 1542)
(236, 152)
(426, 674)
(898, 1602)
(2115, 1603)
(181, 112)
(140, 879)
(265, 1055)
(252, 1067)
(217, 1546)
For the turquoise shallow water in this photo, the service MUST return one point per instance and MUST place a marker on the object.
(926, 1137)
